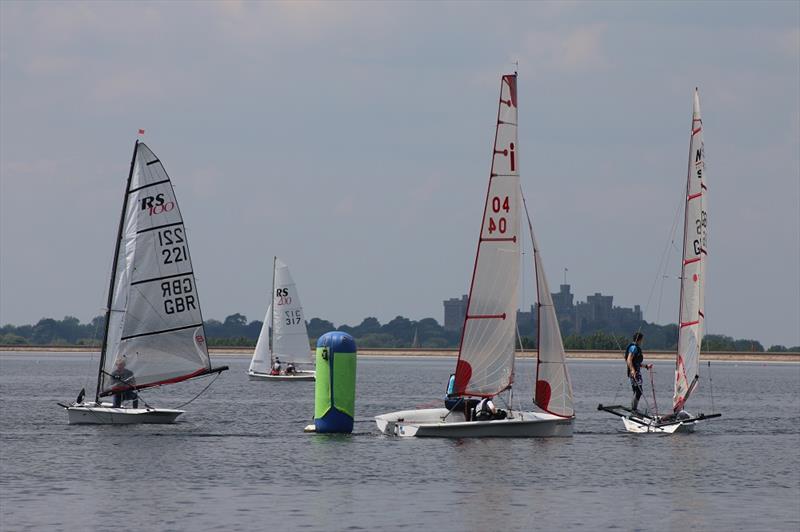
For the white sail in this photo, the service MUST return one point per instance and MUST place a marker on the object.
(154, 326)
(553, 392)
(695, 229)
(486, 354)
(289, 334)
(260, 363)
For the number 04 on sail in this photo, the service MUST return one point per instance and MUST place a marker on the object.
(154, 333)
(485, 365)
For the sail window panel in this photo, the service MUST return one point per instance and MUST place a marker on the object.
(161, 357)
(160, 254)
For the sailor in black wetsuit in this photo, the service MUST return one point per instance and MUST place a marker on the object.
(633, 361)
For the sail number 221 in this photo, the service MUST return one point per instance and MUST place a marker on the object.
(499, 205)
(175, 251)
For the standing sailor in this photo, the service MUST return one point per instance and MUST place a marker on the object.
(634, 359)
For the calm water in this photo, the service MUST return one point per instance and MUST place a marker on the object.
(238, 460)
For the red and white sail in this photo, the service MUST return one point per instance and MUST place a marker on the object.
(486, 354)
(693, 278)
(553, 392)
(154, 322)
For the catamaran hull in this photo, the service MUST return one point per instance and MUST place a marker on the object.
(437, 423)
(106, 414)
(299, 376)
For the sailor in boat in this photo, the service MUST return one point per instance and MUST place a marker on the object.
(276, 367)
(124, 376)
(486, 411)
(633, 360)
(290, 369)
(451, 399)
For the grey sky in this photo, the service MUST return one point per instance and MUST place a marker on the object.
(353, 140)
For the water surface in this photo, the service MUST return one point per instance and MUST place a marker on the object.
(238, 459)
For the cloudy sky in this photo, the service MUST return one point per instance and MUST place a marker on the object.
(353, 140)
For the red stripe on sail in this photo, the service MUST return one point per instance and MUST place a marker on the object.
(689, 323)
(697, 130)
(693, 196)
(689, 261)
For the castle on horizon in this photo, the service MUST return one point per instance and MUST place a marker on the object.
(573, 317)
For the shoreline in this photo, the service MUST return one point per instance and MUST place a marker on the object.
(733, 356)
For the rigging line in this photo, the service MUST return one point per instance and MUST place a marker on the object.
(662, 264)
(201, 392)
(711, 388)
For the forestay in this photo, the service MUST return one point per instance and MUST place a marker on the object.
(154, 321)
(289, 334)
(486, 354)
(693, 278)
(260, 362)
(553, 392)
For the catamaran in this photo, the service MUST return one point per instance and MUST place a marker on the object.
(284, 354)
(485, 367)
(154, 333)
(692, 300)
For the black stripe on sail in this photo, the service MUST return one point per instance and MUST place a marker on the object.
(148, 185)
(157, 227)
(154, 162)
(161, 332)
(162, 278)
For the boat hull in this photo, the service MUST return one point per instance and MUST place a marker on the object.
(442, 423)
(642, 426)
(107, 414)
(299, 376)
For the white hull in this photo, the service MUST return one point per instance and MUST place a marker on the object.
(436, 423)
(106, 414)
(299, 376)
(647, 425)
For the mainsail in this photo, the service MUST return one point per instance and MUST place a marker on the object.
(153, 324)
(553, 391)
(261, 356)
(695, 231)
(486, 355)
(289, 334)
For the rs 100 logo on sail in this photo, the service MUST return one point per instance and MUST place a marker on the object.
(156, 204)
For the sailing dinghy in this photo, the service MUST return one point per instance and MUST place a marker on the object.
(692, 305)
(288, 341)
(485, 366)
(154, 333)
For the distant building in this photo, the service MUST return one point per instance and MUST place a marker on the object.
(455, 310)
(572, 317)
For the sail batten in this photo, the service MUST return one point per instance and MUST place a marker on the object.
(693, 267)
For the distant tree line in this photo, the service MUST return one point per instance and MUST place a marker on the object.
(400, 332)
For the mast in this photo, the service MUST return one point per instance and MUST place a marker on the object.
(272, 313)
(114, 273)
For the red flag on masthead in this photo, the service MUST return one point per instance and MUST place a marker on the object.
(141, 131)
